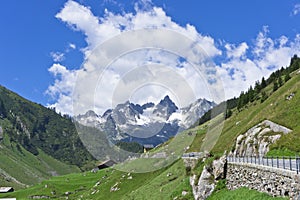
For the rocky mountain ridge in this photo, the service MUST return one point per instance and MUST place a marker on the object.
(147, 123)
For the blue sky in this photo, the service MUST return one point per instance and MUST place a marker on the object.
(33, 38)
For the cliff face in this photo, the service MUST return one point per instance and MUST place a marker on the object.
(256, 141)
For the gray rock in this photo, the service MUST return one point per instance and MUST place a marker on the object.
(184, 193)
(208, 179)
(205, 185)
(256, 141)
(219, 168)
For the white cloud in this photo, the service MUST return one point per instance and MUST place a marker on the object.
(99, 30)
(296, 9)
(130, 60)
(72, 46)
(64, 83)
(57, 56)
(265, 56)
(236, 52)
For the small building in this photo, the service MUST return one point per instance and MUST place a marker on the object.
(148, 147)
(103, 165)
(6, 189)
(106, 164)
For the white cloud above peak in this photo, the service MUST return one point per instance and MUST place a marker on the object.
(242, 65)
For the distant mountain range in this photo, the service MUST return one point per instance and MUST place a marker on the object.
(148, 123)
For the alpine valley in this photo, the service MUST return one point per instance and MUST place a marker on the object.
(42, 156)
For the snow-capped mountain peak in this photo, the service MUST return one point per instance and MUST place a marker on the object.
(148, 123)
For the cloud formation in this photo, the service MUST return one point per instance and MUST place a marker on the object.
(241, 65)
(248, 63)
(57, 56)
(72, 46)
(296, 9)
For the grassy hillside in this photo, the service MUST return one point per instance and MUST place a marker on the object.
(242, 193)
(35, 127)
(275, 108)
(165, 183)
(36, 142)
(19, 168)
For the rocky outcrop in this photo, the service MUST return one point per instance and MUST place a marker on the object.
(205, 186)
(209, 178)
(256, 141)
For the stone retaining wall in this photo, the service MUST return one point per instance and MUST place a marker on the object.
(276, 182)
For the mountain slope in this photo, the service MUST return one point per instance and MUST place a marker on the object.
(36, 127)
(36, 142)
(19, 168)
(279, 105)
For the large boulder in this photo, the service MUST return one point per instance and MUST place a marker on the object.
(257, 140)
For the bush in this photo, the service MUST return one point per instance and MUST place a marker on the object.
(221, 184)
(188, 170)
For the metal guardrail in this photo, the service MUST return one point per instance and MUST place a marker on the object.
(193, 155)
(283, 162)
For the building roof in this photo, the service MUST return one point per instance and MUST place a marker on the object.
(148, 146)
(5, 189)
(8, 199)
(108, 163)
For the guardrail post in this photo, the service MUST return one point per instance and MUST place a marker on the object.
(297, 166)
(272, 160)
(251, 159)
(263, 160)
(291, 163)
(277, 162)
(283, 162)
(258, 160)
(255, 159)
(267, 161)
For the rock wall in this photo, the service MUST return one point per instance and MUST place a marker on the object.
(276, 182)
(190, 162)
